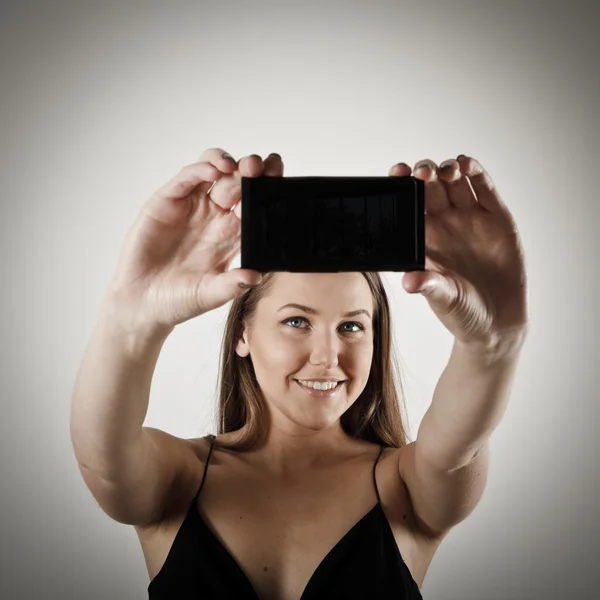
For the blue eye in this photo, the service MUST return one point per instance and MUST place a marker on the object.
(360, 327)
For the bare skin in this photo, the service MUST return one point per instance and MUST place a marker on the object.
(298, 519)
(288, 494)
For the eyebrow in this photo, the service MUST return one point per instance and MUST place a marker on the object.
(312, 311)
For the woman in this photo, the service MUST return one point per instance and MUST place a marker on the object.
(304, 493)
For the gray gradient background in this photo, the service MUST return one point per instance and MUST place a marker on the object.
(101, 104)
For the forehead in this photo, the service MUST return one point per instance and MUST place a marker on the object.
(326, 292)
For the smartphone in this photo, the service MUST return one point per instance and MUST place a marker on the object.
(333, 224)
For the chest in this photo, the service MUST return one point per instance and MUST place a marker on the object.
(280, 535)
(280, 546)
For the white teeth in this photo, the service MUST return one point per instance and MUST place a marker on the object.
(317, 385)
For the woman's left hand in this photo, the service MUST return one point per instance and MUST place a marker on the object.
(474, 260)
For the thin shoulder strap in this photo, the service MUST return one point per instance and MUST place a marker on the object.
(212, 441)
(374, 480)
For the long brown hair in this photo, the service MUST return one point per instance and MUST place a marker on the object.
(375, 416)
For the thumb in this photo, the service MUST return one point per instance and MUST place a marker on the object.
(429, 287)
(243, 279)
(433, 285)
(439, 291)
(226, 286)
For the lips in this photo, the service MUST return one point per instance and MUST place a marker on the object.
(332, 393)
(339, 381)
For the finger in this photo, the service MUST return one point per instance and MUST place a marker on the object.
(459, 190)
(218, 157)
(436, 199)
(188, 178)
(185, 181)
(482, 183)
(227, 191)
(252, 166)
(400, 170)
(274, 165)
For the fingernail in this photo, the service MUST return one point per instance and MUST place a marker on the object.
(446, 164)
(246, 286)
(227, 155)
(424, 163)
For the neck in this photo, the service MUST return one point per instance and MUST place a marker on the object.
(291, 450)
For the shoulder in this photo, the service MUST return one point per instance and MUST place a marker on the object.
(200, 447)
(374, 450)
(185, 483)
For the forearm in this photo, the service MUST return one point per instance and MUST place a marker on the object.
(111, 393)
(469, 402)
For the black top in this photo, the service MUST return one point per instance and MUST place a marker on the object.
(365, 564)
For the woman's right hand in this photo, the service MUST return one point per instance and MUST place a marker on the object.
(175, 260)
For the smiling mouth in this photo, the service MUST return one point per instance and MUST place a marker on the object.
(338, 383)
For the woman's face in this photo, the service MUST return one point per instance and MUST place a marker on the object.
(286, 344)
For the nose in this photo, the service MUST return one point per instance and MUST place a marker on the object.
(325, 351)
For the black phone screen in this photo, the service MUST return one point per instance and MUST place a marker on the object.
(333, 224)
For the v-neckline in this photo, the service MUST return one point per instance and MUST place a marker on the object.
(313, 577)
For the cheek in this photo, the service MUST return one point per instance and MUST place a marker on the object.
(362, 350)
(278, 356)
